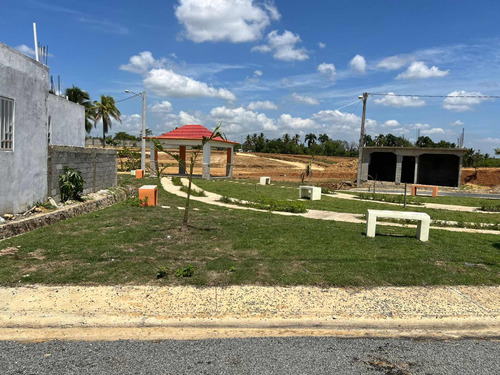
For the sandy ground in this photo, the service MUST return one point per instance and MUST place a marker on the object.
(184, 312)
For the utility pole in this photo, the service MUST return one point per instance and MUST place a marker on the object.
(361, 138)
(143, 141)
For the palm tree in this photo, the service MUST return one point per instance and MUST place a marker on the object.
(323, 138)
(104, 111)
(77, 95)
(497, 151)
(310, 139)
(286, 138)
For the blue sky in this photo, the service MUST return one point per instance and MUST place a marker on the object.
(280, 66)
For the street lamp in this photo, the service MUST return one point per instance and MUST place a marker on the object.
(143, 141)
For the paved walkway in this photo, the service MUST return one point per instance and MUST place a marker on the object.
(183, 312)
(212, 198)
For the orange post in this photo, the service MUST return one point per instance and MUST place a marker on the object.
(148, 195)
(139, 173)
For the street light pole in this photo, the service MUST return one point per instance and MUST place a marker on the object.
(361, 139)
(143, 133)
(143, 141)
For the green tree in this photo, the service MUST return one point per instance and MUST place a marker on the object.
(497, 151)
(104, 111)
(323, 138)
(194, 156)
(77, 95)
(424, 142)
(310, 139)
(296, 139)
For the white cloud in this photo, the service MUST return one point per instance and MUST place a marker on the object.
(400, 101)
(346, 121)
(309, 100)
(457, 123)
(283, 46)
(241, 118)
(321, 45)
(165, 82)
(459, 104)
(163, 107)
(418, 69)
(141, 63)
(287, 121)
(224, 20)
(131, 124)
(358, 64)
(262, 105)
(432, 131)
(257, 73)
(328, 70)
(23, 48)
(394, 62)
(390, 123)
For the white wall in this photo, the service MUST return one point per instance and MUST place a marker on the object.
(67, 122)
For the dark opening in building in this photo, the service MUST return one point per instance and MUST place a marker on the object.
(435, 169)
(408, 169)
(382, 166)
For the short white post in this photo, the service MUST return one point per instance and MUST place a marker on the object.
(205, 174)
(371, 224)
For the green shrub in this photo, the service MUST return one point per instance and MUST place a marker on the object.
(225, 199)
(196, 193)
(161, 273)
(490, 207)
(71, 184)
(177, 181)
(279, 205)
(391, 198)
(187, 271)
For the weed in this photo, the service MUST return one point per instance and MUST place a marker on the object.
(225, 199)
(187, 271)
(194, 192)
(161, 272)
(177, 181)
(71, 184)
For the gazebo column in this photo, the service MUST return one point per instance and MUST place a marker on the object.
(229, 165)
(205, 174)
(153, 160)
(415, 175)
(182, 155)
(399, 168)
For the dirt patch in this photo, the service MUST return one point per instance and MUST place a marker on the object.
(9, 251)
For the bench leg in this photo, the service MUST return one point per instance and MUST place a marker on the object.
(434, 192)
(423, 230)
(413, 190)
(371, 225)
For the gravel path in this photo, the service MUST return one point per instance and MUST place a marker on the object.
(306, 355)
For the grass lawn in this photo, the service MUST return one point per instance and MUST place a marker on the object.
(126, 244)
(250, 190)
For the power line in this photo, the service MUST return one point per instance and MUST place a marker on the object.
(439, 96)
(122, 100)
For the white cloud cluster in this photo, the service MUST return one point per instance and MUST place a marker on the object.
(327, 70)
(141, 63)
(235, 21)
(283, 46)
(321, 45)
(390, 124)
(163, 107)
(165, 82)
(394, 62)
(458, 103)
(347, 122)
(257, 73)
(309, 100)
(358, 64)
(23, 48)
(296, 123)
(131, 124)
(418, 69)
(457, 123)
(267, 104)
(237, 119)
(400, 101)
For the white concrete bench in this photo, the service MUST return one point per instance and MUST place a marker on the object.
(265, 181)
(424, 221)
(311, 192)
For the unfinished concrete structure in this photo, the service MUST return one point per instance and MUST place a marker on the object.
(192, 136)
(414, 165)
(32, 122)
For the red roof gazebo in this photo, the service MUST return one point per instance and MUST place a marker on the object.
(189, 136)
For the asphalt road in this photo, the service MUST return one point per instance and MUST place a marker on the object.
(302, 355)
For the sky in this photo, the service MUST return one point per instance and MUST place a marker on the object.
(276, 67)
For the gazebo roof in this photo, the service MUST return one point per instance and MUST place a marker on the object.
(190, 132)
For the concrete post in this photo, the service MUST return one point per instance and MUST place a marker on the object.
(182, 155)
(205, 174)
(415, 176)
(399, 168)
(229, 165)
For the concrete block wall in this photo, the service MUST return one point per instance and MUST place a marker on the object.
(98, 167)
(67, 122)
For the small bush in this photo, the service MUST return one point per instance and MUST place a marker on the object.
(71, 184)
(391, 198)
(194, 192)
(177, 181)
(225, 199)
(187, 271)
(279, 205)
(490, 207)
(161, 273)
